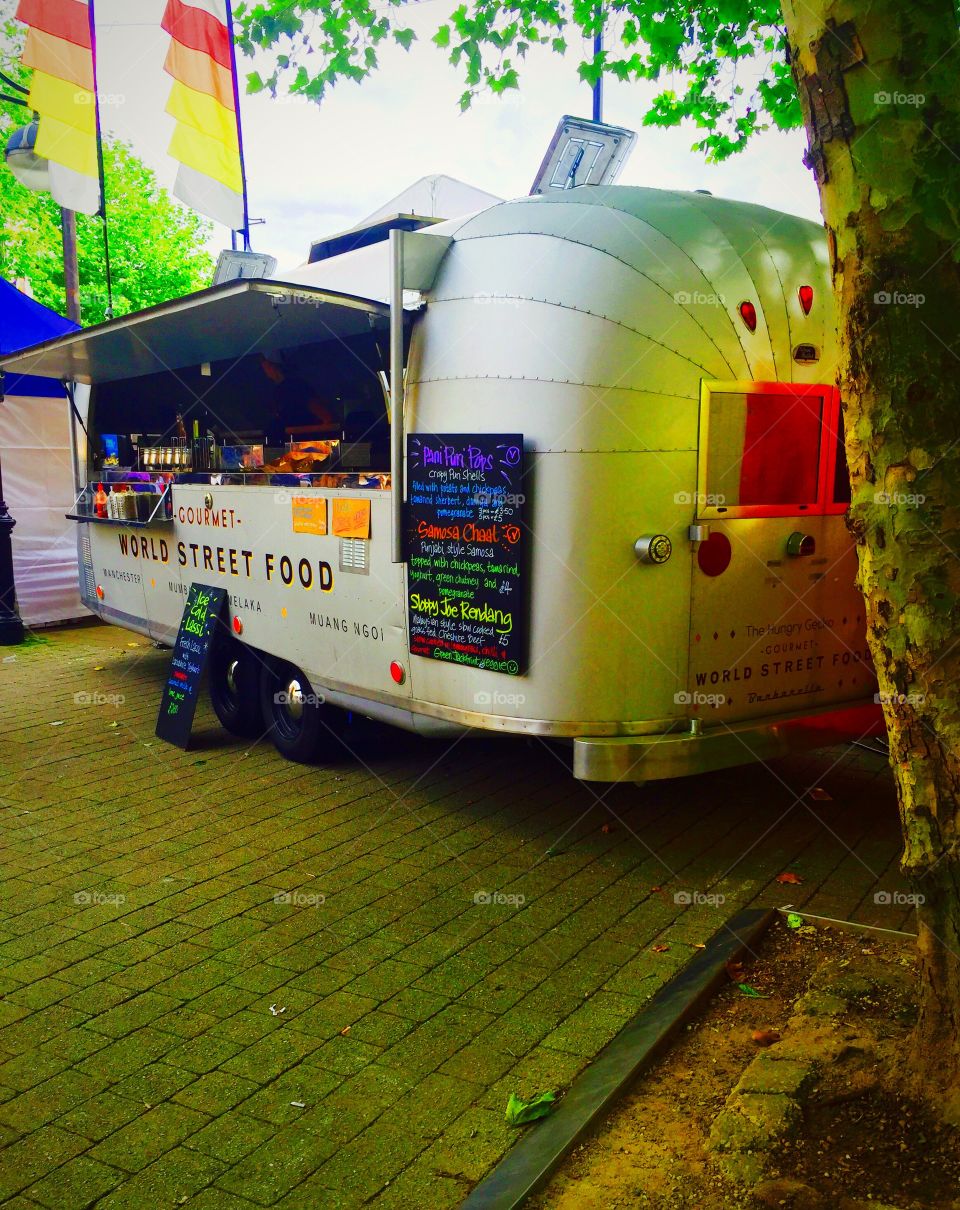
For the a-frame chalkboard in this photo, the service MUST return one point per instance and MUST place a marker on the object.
(198, 627)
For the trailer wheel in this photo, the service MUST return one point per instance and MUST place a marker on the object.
(234, 688)
(303, 728)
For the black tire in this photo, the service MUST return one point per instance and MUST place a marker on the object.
(235, 688)
(303, 728)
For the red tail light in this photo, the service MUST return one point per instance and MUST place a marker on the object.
(805, 294)
(748, 313)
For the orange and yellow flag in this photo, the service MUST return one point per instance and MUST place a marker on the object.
(206, 139)
(59, 49)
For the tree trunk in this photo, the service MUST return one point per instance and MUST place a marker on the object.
(878, 86)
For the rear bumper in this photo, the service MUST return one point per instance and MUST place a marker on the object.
(641, 758)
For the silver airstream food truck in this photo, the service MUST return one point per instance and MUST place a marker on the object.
(577, 473)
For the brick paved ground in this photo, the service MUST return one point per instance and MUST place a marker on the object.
(171, 1034)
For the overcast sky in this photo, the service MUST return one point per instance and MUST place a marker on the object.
(313, 170)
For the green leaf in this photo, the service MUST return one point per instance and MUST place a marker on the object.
(794, 921)
(747, 990)
(442, 36)
(520, 1112)
(405, 37)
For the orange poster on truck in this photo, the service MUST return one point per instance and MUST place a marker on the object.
(351, 518)
(309, 515)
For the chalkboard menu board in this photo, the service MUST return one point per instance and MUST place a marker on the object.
(465, 575)
(198, 626)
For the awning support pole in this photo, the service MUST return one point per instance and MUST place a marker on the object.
(396, 396)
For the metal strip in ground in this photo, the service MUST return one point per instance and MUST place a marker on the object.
(528, 1166)
(848, 926)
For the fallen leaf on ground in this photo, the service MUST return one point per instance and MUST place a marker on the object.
(346, 1029)
(660, 949)
(794, 921)
(765, 1037)
(58, 723)
(747, 990)
(820, 794)
(789, 877)
(655, 890)
(520, 1112)
(736, 971)
(699, 945)
(98, 668)
(112, 726)
(607, 828)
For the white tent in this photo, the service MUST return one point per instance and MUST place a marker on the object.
(356, 261)
(437, 196)
(37, 468)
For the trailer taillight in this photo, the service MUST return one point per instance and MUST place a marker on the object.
(397, 672)
(237, 626)
(748, 313)
(100, 591)
(805, 294)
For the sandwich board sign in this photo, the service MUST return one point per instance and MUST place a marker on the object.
(202, 615)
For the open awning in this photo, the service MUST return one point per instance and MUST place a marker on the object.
(224, 322)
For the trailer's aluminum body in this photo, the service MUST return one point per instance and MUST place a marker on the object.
(597, 324)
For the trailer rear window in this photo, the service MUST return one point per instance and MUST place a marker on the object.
(769, 450)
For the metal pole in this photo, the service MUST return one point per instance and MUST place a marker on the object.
(100, 171)
(11, 627)
(396, 396)
(236, 102)
(71, 271)
(598, 87)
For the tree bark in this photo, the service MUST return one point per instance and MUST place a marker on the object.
(878, 85)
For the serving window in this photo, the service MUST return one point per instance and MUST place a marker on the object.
(770, 449)
(312, 409)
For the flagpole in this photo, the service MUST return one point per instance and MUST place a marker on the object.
(100, 171)
(236, 104)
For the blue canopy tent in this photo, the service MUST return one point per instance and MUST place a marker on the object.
(37, 464)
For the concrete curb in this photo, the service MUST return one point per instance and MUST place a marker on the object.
(531, 1162)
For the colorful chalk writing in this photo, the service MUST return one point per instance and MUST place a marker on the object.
(198, 624)
(351, 518)
(466, 545)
